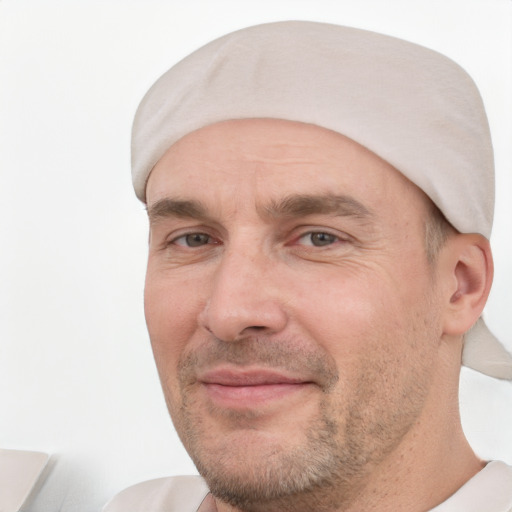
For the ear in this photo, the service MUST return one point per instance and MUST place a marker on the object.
(467, 269)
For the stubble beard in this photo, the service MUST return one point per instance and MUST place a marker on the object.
(341, 444)
(267, 475)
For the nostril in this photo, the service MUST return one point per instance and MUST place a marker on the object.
(231, 315)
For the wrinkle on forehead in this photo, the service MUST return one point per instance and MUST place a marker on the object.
(280, 165)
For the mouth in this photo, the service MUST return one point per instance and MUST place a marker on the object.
(243, 389)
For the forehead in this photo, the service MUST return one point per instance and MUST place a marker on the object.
(267, 159)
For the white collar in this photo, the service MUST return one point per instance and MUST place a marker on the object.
(489, 490)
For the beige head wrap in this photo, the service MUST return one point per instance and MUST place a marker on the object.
(413, 107)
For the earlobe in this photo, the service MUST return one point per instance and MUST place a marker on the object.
(470, 271)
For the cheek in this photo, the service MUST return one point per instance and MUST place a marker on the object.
(383, 343)
(171, 309)
(351, 311)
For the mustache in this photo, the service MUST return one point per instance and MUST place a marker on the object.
(281, 354)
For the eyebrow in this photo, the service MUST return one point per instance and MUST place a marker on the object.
(297, 205)
(183, 209)
(303, 205)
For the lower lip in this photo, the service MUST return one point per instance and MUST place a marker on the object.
(247, 396)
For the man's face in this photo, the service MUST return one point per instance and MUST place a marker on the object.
(291, 308)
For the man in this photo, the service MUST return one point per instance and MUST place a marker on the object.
(320, 200)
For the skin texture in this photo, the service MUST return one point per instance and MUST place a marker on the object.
(308, 350)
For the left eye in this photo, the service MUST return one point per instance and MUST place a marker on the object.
(193, 240)
(318, 239)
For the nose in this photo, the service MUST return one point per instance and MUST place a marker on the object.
(245, 298)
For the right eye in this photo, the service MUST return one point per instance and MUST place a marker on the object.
(193, 240)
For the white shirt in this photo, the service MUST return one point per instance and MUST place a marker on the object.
(490, 490)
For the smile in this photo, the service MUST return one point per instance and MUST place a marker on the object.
(248, 389)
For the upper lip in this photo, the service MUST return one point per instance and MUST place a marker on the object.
(248, 377)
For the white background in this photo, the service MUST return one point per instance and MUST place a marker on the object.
(76, 374)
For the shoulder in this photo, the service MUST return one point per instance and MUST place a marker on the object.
(171, 494)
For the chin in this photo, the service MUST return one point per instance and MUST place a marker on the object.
(251, 469)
